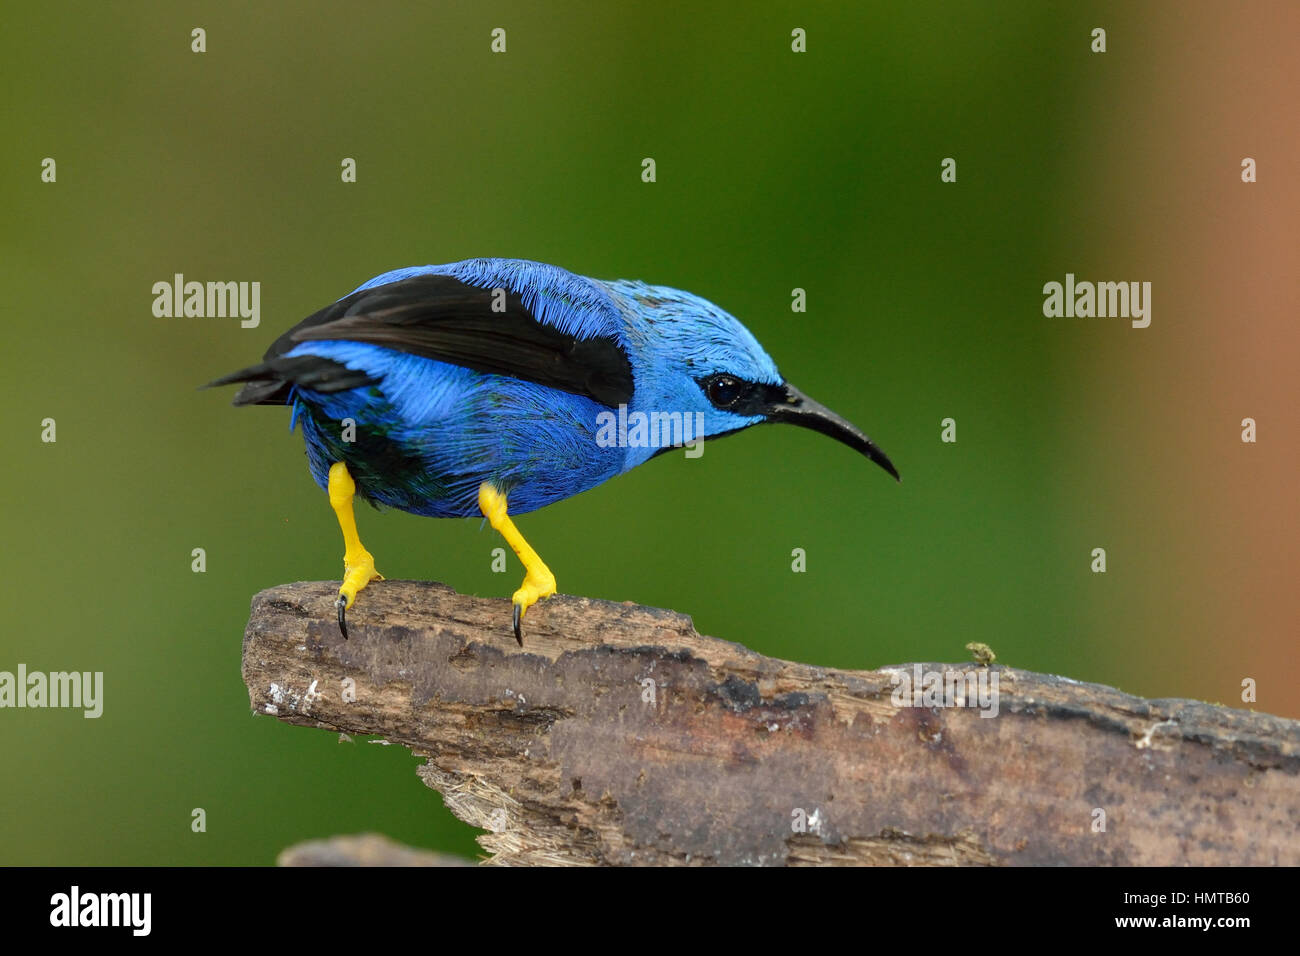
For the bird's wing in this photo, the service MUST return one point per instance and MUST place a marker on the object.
(442, 317)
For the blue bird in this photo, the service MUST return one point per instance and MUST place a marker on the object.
(497, 386)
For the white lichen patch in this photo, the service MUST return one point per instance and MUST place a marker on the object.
(299, 702)
(1145, 740)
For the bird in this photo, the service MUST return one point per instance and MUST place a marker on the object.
(493, 387)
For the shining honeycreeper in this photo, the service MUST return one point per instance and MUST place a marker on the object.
(498, 386)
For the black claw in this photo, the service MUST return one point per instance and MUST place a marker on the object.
(342, 605)
(519, 613)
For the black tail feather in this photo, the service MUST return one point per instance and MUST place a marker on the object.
(271, 382)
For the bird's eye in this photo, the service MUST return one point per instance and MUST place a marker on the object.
(723, 391)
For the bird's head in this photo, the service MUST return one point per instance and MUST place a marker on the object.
(691, 357)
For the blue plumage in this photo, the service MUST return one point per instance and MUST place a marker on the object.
(540, 446)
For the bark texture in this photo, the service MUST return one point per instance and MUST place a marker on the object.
(618, 735)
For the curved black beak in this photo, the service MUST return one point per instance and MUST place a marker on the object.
(793, 407)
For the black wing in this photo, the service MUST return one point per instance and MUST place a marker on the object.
(439, 317)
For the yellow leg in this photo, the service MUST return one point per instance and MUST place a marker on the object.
(358, 564)
(539, 582)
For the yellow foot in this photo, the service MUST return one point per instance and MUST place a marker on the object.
(358, 571)
(358, 564)
(539, 582)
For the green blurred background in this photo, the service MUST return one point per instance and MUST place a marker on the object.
(776, 170)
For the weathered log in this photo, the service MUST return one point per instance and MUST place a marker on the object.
(618, 735)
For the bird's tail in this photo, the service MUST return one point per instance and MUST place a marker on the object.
(272, 382)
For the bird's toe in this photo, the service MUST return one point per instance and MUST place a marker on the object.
(342, 605)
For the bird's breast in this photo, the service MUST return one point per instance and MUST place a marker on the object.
(425, 443)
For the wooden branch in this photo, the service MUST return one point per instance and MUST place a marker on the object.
(618, 735)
